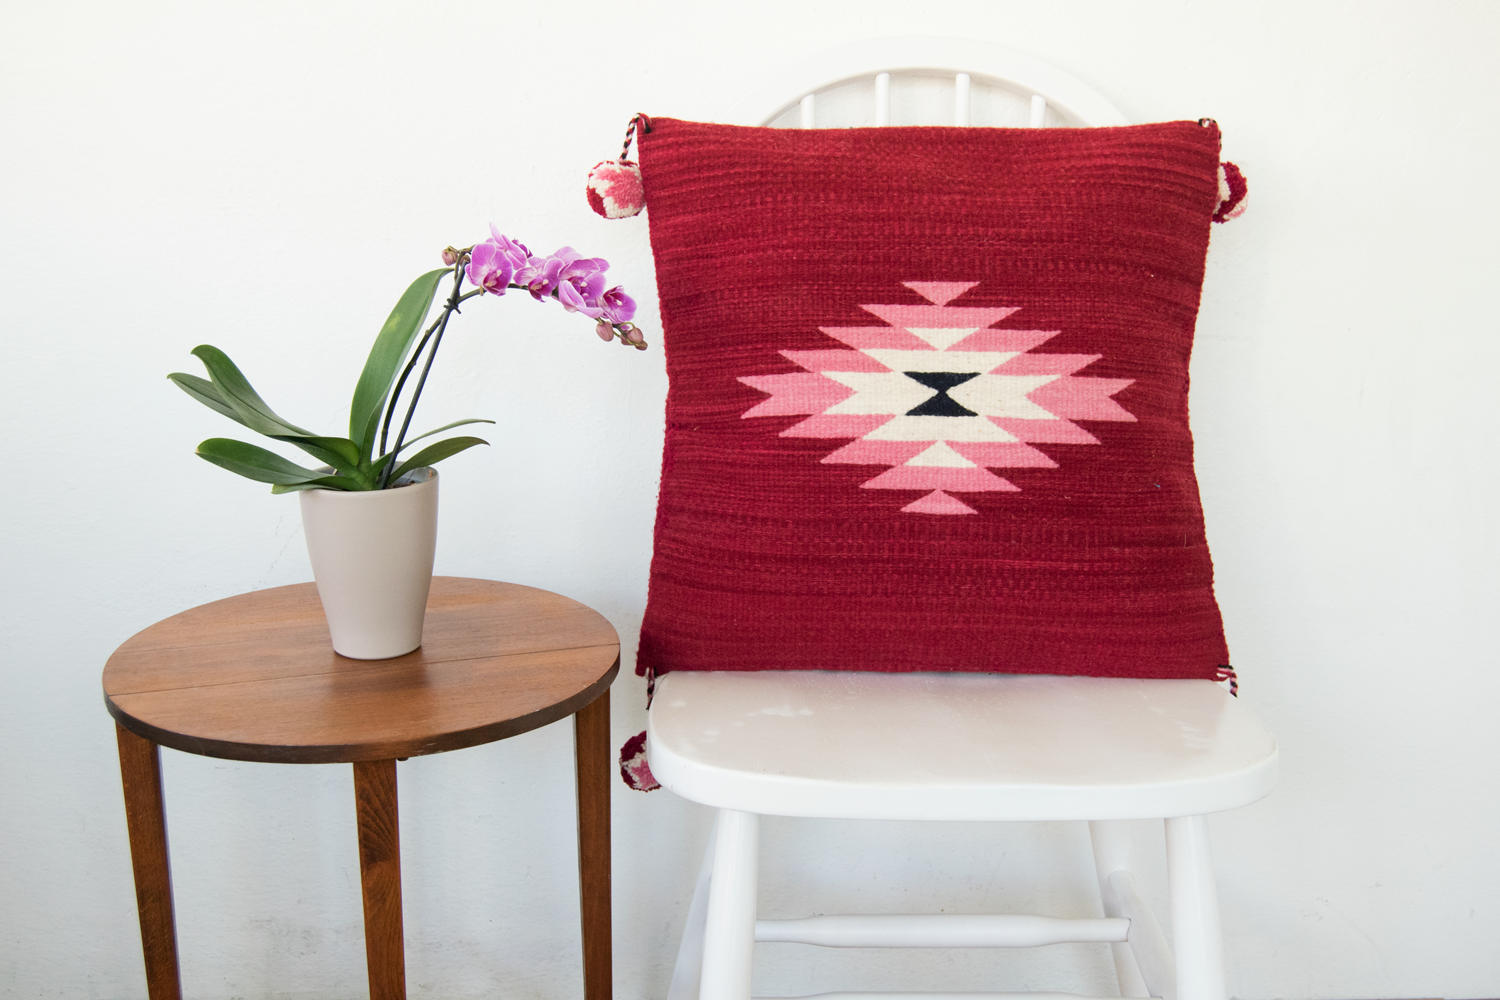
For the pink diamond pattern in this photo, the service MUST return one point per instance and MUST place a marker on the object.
(1006, 399)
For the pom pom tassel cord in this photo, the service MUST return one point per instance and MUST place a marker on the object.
(614, 187)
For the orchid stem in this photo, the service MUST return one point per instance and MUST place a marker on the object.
(390, 409)
(439, 326)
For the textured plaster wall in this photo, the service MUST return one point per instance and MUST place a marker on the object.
(267, 176)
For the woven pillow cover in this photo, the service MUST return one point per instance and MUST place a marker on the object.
(928, 399)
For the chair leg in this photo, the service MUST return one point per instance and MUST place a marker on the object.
(1112, 854)
(729, 932)
(1197, 938)
(687, 976)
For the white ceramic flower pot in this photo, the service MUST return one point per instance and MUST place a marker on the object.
(372, 557)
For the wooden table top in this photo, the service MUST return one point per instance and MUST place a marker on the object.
(255, 677)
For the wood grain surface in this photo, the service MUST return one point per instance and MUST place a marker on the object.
(593, 765)
(145, 816)
(255, 677)
(380, 877)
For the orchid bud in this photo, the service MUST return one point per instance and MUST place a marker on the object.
(449, 257)
(605, 331)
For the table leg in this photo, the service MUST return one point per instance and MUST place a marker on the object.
(146, 818)
(380, 877)
(592, 759)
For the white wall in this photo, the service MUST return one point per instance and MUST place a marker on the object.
(267, 177)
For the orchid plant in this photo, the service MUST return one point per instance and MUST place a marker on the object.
(355, 463)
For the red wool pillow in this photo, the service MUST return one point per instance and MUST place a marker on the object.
(928, 402)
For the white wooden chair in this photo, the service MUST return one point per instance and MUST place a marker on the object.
(934, 746)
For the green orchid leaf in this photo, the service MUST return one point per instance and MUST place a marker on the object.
(255, 463)
(435, 453)
(386, 356)
(326, 483)
(446, 427)
(204, 392)
(340, 453)
(235, 390)
(380, 462)
(232, 395)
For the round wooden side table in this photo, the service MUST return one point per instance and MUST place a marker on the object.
(255, 677)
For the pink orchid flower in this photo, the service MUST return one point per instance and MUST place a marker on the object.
(515, 251)
(616, 306)
(494, 262)
(543, 275)
(574, 301)
(489, 268)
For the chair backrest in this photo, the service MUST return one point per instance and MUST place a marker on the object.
(921, 81)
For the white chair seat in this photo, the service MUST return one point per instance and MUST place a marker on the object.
(956, 746)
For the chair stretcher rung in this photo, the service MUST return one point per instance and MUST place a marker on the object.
(940, 930)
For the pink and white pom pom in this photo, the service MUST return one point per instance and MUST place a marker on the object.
(614, 188)
(633, 766)
(1232, 192)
